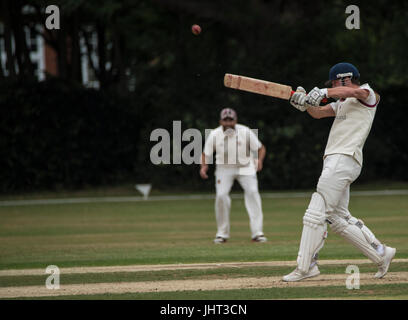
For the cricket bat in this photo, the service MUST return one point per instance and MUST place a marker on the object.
(267, 88)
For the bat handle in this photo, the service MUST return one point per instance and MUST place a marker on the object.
(324, 100)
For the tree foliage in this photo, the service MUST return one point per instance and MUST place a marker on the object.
(153, 70)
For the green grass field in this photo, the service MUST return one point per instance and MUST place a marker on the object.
(173, 232)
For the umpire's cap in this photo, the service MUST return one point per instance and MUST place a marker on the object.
(228, 113)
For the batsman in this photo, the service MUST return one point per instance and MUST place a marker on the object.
(353, 113)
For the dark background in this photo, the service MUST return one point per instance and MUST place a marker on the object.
(58, 134)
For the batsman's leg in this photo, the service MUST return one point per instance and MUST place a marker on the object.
(224, 180)
(360, 236)
(313, 235)
(253, 203)
(330, 188)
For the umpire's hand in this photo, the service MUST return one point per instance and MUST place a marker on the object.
(203, 171)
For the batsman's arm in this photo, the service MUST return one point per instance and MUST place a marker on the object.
(346, 92)
(321, 112)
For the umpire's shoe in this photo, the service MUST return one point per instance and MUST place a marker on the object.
(260, 238)
(219, 240)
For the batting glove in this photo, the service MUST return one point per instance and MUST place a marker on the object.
(315, 96)
(298, 99)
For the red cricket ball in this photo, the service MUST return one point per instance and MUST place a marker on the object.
(196, 29)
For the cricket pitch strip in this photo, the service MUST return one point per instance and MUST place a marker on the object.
(323, 280)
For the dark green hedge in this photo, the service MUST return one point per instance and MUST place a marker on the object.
(55, 134)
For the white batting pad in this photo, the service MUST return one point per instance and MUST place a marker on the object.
(363, 239)
(314, 232)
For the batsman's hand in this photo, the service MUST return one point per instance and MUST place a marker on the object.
(203, 172)
(315, 96)
(298, 99)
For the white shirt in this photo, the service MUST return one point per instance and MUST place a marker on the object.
(233, 148)
(371, 99)
(352, 125)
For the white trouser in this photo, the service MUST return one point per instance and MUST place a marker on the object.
(339, 171)
(224, 179)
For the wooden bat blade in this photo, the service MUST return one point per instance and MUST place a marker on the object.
(258, 86)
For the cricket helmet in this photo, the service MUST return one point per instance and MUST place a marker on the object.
(342, 70)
